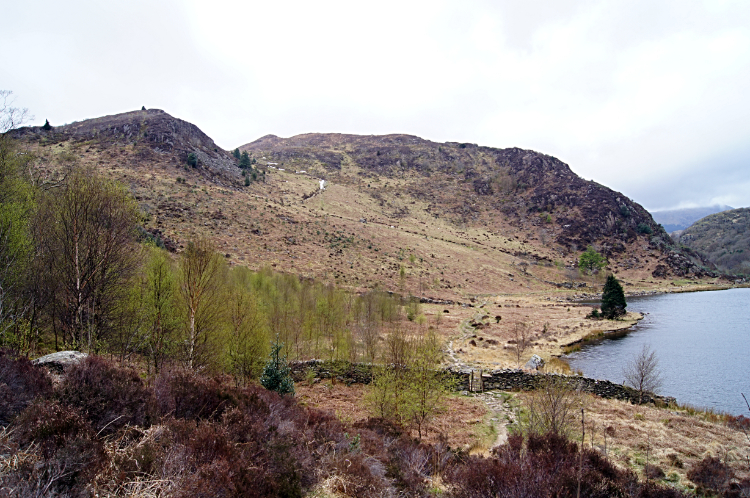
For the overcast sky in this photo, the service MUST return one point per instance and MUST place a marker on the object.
(651, 98)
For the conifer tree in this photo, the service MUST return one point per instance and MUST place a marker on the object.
(277, 375)
(244, 160)
(613, 299)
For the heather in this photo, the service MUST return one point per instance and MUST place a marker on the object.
(102, 429)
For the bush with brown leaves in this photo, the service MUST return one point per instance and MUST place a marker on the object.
(20, 383)
(711, 474)
(550, 466)
(110, 396)
(185, 394)
(68, 455)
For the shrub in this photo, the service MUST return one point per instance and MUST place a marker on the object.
(653, 471)
(711, 473)
(594, 315)
(644, 229)
(675, 460)
(192, 160)
(552, 407)
(184, 394)
(110, 396)
(551, 466)
(68, 451)
(20, 383)
(740, 422)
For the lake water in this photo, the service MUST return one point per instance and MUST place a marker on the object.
(702, 340)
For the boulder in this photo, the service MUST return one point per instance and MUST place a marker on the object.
(534, 363)
(60, 361)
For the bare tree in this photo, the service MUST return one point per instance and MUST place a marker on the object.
(520, 340)
(11, 117)
(642, 373)
(552, 406)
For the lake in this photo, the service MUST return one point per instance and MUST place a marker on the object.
(702, 340)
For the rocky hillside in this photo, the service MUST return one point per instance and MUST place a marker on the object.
(723, 239)
(497, 189)
(472, 185)
(446, 221)
(151, 134)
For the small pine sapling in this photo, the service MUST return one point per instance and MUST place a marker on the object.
(277, 375)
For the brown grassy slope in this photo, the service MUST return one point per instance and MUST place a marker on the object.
(528, 205)
(461, 220)
(674, 439)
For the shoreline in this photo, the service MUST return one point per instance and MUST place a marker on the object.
(614, 333)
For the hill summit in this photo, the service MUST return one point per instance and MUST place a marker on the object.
(154, 133)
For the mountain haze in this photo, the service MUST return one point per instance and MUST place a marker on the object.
(679, 219)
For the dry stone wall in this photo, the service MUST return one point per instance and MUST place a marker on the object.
(501, 380)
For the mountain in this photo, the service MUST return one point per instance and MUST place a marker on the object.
(679, 219)
(467, 184)
(445, 220)
(723, 238)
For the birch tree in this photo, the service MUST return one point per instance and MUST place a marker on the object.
(642, 373)
(85, 233)
(201, 274)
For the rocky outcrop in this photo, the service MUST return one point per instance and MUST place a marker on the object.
(151, 132)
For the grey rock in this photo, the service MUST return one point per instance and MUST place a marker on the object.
(60, 361)
(534, 363)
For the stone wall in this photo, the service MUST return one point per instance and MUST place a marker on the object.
(342, 371)
(502, 380)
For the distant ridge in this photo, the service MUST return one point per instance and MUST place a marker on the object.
(679, 219)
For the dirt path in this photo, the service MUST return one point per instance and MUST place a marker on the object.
(501, 415)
